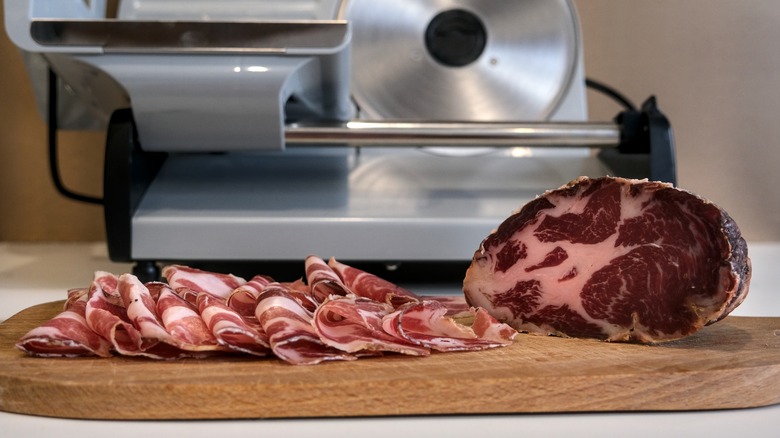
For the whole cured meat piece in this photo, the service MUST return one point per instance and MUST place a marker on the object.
(612, 258)
(220, 285)
(354, 324)
(370, 286)
(66, 335)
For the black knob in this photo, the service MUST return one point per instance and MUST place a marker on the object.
(455, 38)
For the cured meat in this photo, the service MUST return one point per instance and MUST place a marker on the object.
(106, 315)
(220, 285)
(230, 328)
(342, 314)
(323, 281)
(74, 295)
(455, 304)
(354, 324)
(67, 334)
(369, 285)
(426, 323)
(183, 323)
(612, 258)
(290, 330)
(487, 328)
(142, 312)
(301, 292)
(243, 299)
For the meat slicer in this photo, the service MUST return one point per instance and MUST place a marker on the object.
(390, 131)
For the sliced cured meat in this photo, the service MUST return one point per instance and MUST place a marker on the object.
(141, 307)
(122, 315)
(290, 330)
(243, 299)
(66, 335)
(323, 281)
(220, 285)
(370, 286)
(301, 292)
(487, 328)
(106, 315)
(74, 295)
(142, 312)
(109, 284)
(426, 323)
(455, 304)
(184, 325)
(230, 328)
(612, 258)
(354, 324)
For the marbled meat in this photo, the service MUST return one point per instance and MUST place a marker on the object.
(339, 313)
(614, 259)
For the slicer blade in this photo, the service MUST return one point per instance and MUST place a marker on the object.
(464, 60)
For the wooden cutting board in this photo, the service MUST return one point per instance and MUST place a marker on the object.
(732, 364)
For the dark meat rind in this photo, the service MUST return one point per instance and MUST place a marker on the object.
(612, 258)
(738, 266)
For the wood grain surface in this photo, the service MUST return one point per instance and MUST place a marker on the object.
(732, 364)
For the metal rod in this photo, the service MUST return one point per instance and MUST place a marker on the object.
(397, 133)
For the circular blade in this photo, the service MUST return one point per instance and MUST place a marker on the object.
(467, 60)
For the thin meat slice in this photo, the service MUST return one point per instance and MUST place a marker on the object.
(141, 307)
(455, 304)
(290, 331)
(243, 299)
(370, 286)
(485, 326)
(66, 335)
(142, 312)
(354, 324)
(426, 323)
(614, 259)
(488, 328)
(106, 315)
(75, 294)
(183, 323)
(220, 285)
(109, 284)
(323, 281)
(231, 329)
(301, 291)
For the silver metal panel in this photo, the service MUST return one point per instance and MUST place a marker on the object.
(230, 10)
(528, 64)
(191, 36)
(386, 206)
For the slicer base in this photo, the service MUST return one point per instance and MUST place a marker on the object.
(400, 206)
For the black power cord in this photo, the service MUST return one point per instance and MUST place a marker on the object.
(52, 140)
(611, 92)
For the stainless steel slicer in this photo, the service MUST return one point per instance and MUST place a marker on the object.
(370, 130)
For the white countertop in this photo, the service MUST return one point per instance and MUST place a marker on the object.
(36, 273)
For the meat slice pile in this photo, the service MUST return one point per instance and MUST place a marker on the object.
(337, 312)
(612, 258)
